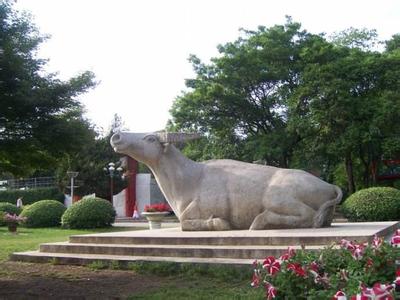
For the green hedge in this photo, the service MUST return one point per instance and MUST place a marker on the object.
(44, 213)
(373, 204)
(32, 195)
(89, 213)
(6, 207)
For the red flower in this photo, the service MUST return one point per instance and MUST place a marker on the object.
(158, 207)
(378, 291)
(314, 267)
(296, 267)
(271, 265)
(270, 291)
(339, 296)
(255, 282)
(397, 280)
(395, 241)
(290, 252)
(369, 263)
(357, 250)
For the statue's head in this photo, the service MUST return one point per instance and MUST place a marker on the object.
(147, 147)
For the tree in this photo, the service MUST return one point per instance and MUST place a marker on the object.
(91, 160)
(241, 96)
(293, 99)
(40, 116)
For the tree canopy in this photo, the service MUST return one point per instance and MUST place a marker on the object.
(40, 116)
(290, 98)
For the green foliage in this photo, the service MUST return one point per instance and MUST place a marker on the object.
(373, 204)
(39, 112)
(90, 162)
(10, 208)
(32, 195)
(290, 98)
(226, 273)
(44, 213)
(6, 207)
(89, 213)
(319, 275)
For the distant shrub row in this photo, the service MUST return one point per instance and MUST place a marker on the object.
(87, 213)
(31, 196)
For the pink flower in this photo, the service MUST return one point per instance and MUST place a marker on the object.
(397, 280)
(378, 291)
(345, 244)
(359, 297)
(296, 267)
(357, 250)
(271, 265)
(369, 264)
(339, 296)
(270, 291)
(314, 267)
(395, 241)
(290, 252)
(255, 282)
(377, 242)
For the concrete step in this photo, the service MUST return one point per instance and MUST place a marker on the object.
(195, 251)
(85, 259)
(172, 244)
(361, 232)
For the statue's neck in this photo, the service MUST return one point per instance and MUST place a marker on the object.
(176, 174)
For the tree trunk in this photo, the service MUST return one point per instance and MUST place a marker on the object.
(350, 176)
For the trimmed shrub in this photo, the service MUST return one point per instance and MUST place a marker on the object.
(10, 208)
(44, 213)
(32, 195)
(89, 213)
(373, 204)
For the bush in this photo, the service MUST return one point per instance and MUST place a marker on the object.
(32, 195)
(89, 213)
(373, 204)
(10, 208)
(44, 213)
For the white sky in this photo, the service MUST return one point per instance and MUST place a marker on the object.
(138, 49)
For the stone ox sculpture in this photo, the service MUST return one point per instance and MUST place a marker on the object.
(227, 194)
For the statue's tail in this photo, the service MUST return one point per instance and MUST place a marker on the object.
(324, 215)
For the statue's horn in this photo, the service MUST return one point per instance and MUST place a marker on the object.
(176, 137)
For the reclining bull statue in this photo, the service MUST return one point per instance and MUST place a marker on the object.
(226, 194)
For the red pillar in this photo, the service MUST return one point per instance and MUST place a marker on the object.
(130, 196)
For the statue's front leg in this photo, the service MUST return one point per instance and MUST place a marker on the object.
(191, 220)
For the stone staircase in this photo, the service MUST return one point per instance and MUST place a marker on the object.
(171, 244)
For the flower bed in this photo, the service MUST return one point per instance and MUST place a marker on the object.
(343, 271)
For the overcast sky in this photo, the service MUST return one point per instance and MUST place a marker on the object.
(138, 49)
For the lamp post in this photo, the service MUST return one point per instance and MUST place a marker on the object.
(111, 171)
(72, 175)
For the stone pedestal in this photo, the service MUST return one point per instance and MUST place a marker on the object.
(155, 218)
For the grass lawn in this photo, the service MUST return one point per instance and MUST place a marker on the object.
(140, 281)
(30, 238)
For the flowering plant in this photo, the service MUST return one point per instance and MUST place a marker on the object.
(343, 271)
(13, 219)
(158, 207)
